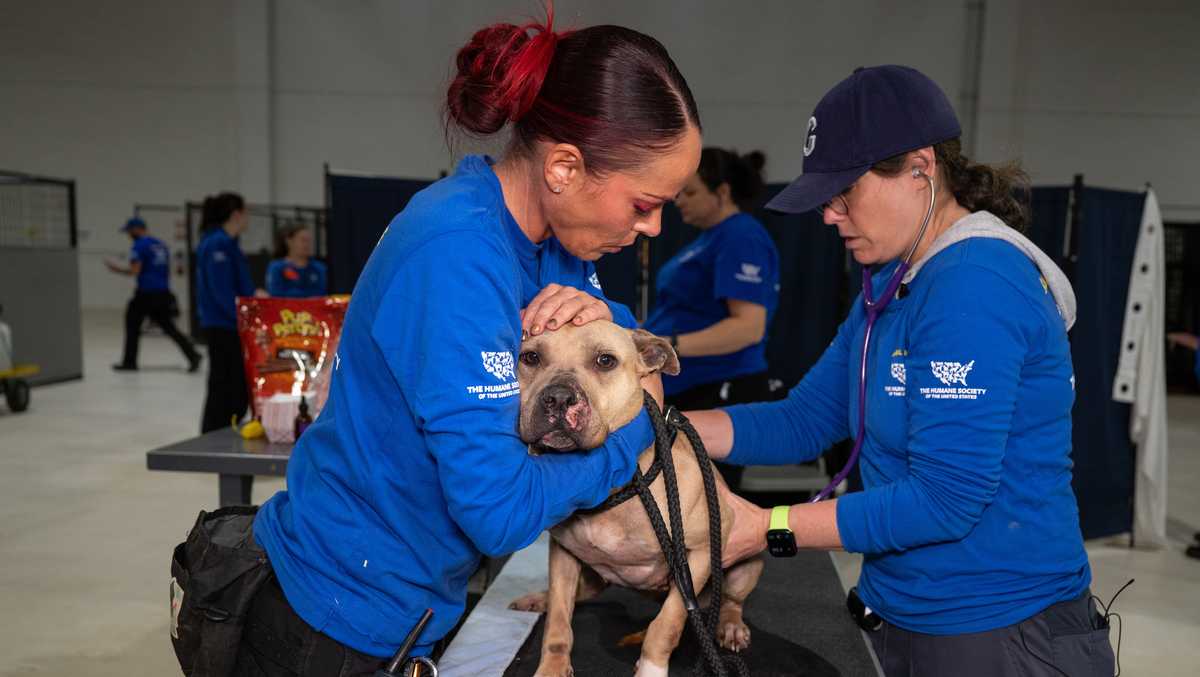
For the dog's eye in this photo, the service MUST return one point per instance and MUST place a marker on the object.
(606, 361)
(530, 359)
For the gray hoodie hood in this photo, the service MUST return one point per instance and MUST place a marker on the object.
(986, 224)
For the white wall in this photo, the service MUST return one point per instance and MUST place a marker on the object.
(132, 99)
(1104, 88)
(167, 101)
(361, 85)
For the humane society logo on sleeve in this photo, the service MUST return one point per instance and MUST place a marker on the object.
(750, 273)
(499, 364)
(502, 366)
(953, 376)
(899, 373)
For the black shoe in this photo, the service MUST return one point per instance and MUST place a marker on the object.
(1193, 551)
(194, 363)
(125, 367)
(1196, 537)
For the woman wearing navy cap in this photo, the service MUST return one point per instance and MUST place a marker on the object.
(414, 470)
(973, 559)
(716, 297)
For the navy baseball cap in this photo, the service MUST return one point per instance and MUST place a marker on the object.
(135, 222)
(870, 116)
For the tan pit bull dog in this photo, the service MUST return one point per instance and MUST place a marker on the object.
(577, 385)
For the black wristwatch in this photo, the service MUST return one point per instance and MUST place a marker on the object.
(781, 542)
(675, 342)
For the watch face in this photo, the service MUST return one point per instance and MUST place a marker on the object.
(781, 543)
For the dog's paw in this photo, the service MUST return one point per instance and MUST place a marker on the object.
(555, 666)
(534, 601)
(734, 635)
(646, 668)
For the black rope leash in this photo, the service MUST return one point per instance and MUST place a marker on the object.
(630, 490)
(674, 548)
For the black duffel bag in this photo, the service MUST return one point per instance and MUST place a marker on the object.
(215, 574)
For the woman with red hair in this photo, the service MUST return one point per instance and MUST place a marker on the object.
(414, 470)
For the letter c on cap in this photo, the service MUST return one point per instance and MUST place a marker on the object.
(811, 141)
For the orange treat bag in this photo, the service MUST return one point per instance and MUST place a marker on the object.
(288, 346)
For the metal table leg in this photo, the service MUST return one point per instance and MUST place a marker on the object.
(235, 489)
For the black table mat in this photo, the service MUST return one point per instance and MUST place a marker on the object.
(797, 617)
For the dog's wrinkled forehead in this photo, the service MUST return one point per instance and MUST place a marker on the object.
(571, 342)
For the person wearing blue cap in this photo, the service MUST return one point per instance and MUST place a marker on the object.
(953, 375)
(717, 296)
(295, 273)
(149, 262)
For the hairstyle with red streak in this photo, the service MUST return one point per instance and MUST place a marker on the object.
(611, 91)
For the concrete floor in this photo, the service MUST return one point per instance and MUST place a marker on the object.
(86, 531)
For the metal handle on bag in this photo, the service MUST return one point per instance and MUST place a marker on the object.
(419, 662)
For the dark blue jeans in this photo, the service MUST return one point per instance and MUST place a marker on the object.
(1067, 639)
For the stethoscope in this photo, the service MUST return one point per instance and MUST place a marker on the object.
(875, 307)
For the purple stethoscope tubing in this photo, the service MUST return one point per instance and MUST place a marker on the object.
(875, 307)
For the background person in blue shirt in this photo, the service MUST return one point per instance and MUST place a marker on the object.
(150, 263)
(717, 296)
(973, 561)
(222, 275)
(294, 273)
(413, 470)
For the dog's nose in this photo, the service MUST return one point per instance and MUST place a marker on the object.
(558, 397)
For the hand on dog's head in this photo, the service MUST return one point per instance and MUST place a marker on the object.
(580, 383)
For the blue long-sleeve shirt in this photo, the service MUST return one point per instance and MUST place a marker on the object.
(286, 280)
(222, 275)
(414, 468)
(735, 259)
(968, 521)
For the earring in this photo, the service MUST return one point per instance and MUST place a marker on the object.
(557, 189)
(917, 172)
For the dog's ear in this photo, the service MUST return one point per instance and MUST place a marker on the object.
(655, 353)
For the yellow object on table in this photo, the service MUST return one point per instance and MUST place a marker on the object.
(253, 430)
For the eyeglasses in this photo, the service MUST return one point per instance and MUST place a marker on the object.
(838, 204)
